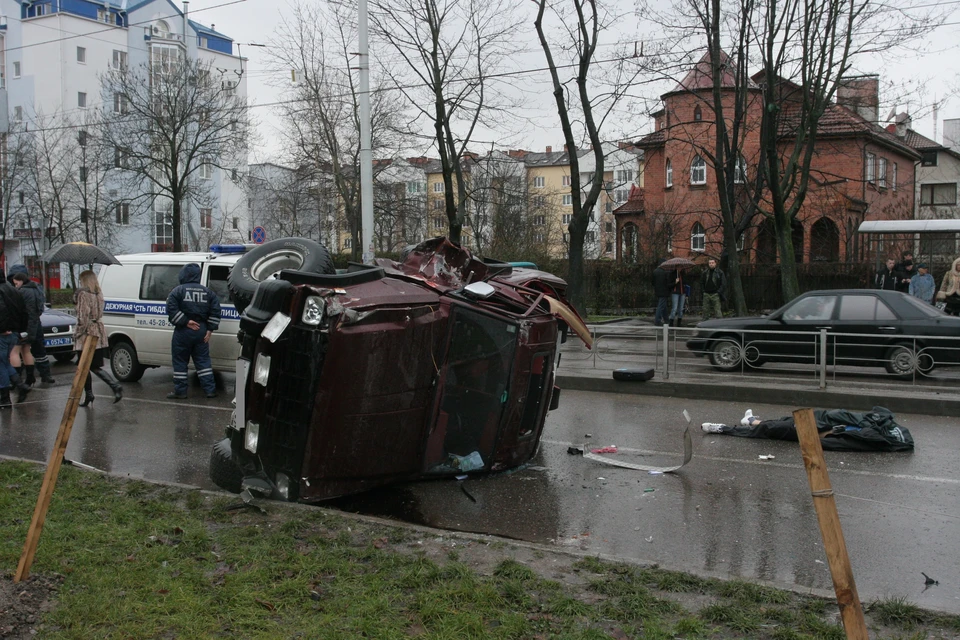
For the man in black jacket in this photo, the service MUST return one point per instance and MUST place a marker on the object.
(35, 354)
(713, 283)
(661, 281)
(886, 278)
(13, 325)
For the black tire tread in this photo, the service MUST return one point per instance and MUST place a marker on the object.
(241, 292)
(223, 471)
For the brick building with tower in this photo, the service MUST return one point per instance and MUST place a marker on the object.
(859, 171)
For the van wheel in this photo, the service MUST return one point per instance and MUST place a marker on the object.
(267, 260)
(124, 362)
(223, 470)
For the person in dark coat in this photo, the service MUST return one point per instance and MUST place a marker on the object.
(194, 311)
(713, 283)
(33, 353)
(661, 289)
(13, 327)
(886, 278)
(905, 272)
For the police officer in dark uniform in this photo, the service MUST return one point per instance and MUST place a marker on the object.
(194, 311)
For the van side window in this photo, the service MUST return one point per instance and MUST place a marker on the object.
(159, 280)
(217, 280)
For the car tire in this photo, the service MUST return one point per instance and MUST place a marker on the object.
(223, 470)
(266, 260)
(124, 362)
(64, 358)
(903, 362)
(726, 354)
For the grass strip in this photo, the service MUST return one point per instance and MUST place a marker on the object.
(122, 559)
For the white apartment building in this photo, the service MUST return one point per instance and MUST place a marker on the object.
(52, 56)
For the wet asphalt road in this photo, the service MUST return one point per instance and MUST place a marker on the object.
(727, 513)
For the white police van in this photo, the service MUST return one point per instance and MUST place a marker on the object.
(135, 297)
(135, 308)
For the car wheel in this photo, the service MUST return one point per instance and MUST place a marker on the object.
(64, 358)
(268, 259)
(726, 355)
(223, 470)
(124, 362)
(902, 361)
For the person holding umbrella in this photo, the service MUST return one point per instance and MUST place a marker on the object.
(89, 310)
(89, 305)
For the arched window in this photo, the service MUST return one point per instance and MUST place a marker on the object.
(698, 171)
(698, 238)
(697, 114)
(669, 173)
(740, 171)
(161, 29)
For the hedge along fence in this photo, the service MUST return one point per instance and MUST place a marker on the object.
(613, 288)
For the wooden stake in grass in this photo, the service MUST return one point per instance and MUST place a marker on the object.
(833, 543)
(56, 459)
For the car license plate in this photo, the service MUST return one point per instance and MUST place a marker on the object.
(57, 342)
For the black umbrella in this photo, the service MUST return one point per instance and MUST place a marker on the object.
(79, 253)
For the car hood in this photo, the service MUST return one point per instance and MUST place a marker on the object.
(55, 317)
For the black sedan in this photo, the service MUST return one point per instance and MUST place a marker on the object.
(58, 333)
(889, 329)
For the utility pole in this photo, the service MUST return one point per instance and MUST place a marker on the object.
(366, 153)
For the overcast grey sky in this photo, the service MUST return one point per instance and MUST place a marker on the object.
(928, 75)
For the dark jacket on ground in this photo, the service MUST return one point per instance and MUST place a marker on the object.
(33, 300)
(193, 301)
(713, 281)
(13, 313)
(886, 279)
(662, 282)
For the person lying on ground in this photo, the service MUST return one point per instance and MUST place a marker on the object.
(839, 429)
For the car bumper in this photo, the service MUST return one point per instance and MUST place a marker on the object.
(58, 344)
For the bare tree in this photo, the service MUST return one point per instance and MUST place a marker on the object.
(322, 120)
(14, 150)
(449, 53)
(586, 20)
(173, 121)
(284, 200)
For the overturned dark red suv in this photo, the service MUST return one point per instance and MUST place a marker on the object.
(439, 365)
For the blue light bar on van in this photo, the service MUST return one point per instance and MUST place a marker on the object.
(228, 248)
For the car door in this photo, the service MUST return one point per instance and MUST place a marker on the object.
(864, 313)
(153, 331)
(800, 322)
(224, 347)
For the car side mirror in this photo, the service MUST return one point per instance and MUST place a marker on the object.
(480, 290)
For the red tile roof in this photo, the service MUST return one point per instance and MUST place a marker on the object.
(700, 77)
(634, 203)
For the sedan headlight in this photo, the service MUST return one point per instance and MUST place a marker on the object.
(313, 310)
(261, 372)
(251, 436)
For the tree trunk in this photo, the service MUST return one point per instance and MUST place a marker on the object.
(177, 235)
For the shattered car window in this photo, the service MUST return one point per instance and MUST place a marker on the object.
(474, 392)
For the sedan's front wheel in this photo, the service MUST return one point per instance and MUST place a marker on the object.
(726, 355)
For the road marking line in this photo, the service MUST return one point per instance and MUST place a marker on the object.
(767, 463)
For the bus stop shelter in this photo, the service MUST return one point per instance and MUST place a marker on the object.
(936, 242)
